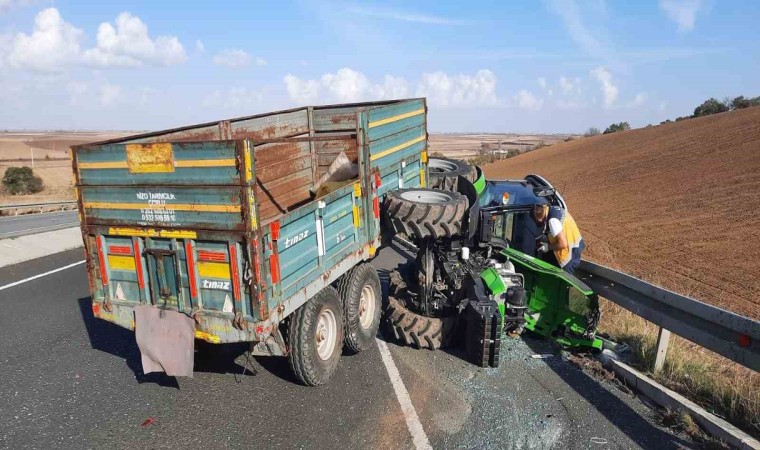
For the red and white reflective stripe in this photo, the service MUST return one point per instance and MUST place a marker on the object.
(376, 206)
(234, 270)
(274, 258)
(102, 260)
(191, 268)
(205, 255)
(257, 272)
(119, 250)
(138, 264)
(274, 268)
(256, 263)
(274, 229)
(375, 199)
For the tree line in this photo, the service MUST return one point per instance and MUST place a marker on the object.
(708, 107)
(714, 106)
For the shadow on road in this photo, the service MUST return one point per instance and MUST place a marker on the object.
(120, 342)
(621, 415)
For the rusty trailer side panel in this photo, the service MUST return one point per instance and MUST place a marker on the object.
(221, 220)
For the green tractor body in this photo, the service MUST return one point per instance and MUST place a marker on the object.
(477, 276)
(560, 306)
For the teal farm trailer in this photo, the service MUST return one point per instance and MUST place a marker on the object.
(248, 230)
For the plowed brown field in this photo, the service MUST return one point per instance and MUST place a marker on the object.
(676, 204)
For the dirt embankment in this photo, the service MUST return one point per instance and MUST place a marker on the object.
(50, 151)
(675, 204)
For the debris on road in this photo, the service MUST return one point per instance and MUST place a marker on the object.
(148, 422)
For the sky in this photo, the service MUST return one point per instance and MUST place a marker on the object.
(553, 66)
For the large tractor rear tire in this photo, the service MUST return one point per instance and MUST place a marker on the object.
(315, 335)
(423, 213)
(444, 173)
(407, 327)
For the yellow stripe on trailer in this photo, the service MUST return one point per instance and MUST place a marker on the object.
(182, 163)
(116, 262)
(214, 270)
(248, 165)
(357, 217)
(178, 234)
(247, 160)
(150, 232)
(165, 207)
(208, 337)
(397, 148)
(380, 122)
(103, 165)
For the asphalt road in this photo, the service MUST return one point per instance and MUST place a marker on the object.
(69, 380)
(12, 226)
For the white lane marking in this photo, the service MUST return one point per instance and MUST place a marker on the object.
(419, 438)
(16, 283)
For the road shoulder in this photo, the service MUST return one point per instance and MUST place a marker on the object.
(25, 248)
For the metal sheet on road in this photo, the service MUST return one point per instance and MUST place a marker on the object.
(37, 223)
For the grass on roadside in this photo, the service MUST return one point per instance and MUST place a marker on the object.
(721, 386)
(682, 422)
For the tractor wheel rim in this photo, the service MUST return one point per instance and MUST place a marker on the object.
(326, 334)
(367, 305)
(430, 196)
(441, 166)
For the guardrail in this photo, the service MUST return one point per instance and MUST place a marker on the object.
(728, 334)
(37, 205)
(15, 225)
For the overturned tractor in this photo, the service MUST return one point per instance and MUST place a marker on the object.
(475, 277)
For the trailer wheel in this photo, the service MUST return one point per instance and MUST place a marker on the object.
(362, 304)
(444, 173)
(423, 213)
(315, 334)
(407, 327)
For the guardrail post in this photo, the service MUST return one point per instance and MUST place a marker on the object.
(663, 339)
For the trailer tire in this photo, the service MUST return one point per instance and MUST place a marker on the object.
(423, 213)
(406, 326)
(362, 305)
(315, 335)
(444, 173)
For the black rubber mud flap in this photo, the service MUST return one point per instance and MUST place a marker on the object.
(483, 333)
